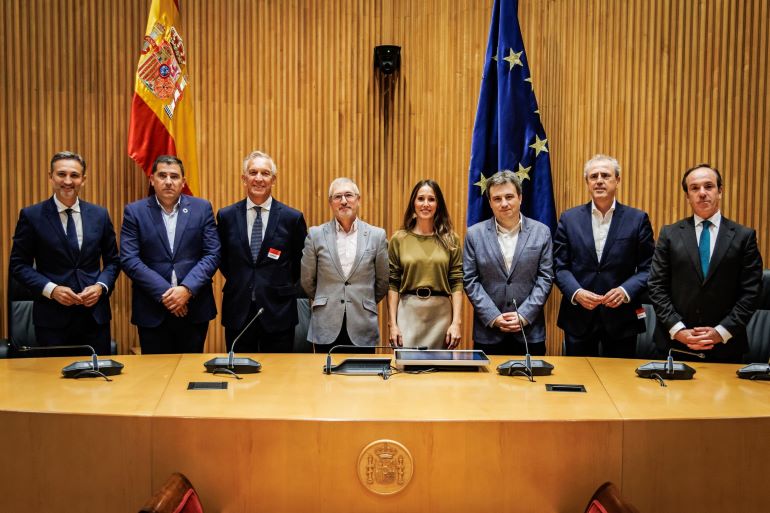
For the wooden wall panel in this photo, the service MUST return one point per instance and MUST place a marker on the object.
(659, 84)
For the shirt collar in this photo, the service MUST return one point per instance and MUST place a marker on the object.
(61, 207)
(504, 231)
(173, 210)
(595, 210)
(715, 219)
(265, 204)
(353, 228)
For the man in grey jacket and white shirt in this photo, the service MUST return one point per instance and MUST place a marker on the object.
(507, 258)
(345, 273)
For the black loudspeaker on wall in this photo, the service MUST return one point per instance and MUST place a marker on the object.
(387, 58)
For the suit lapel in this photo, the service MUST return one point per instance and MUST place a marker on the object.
(157, 220)
(493, 245)
(586, 230)
(242, 230)
(690, 243)
(89, 229)
(362, 242)
(725, 237)
(612, 233)
(182, 218)
(52, 215)
(521, 243)
(330, 237)
(273, 219)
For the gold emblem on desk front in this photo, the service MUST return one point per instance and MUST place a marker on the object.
(385, 467)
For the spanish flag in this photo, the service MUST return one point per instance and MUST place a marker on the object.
(162, 118)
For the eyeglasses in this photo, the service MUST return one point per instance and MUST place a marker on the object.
(349, 196)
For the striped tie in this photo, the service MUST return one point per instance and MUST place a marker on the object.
(704, 247)
(256, 234)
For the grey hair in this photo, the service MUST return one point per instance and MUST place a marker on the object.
(503, 177)
(342, 180)
(601, 158)
(256, 154)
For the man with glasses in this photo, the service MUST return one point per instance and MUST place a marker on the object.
(602, 255)
(345, 273)
(262, 241)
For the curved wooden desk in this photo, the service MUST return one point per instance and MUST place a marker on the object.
(288, 439)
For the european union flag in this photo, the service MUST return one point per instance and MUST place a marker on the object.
(508, 133)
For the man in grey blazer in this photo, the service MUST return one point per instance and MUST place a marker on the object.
(507, 258)
(345, 273)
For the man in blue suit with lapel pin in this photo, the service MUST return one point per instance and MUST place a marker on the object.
(508, 258)
(602, 255)
(706, 275)
(170, 250)
(262, 241)
(64, 251)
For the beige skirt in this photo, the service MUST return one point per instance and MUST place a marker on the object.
(424, 321)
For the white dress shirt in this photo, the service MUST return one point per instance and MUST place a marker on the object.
(507, 240)
(347, 244)
(251, 215)
(169, 221)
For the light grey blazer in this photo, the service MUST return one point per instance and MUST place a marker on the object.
(491, 288)
(334, 295)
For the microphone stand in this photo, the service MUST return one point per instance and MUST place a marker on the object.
(228, 365)
(542, 368)
(662, 371)
(83, 368)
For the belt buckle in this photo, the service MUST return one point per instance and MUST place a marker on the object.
(423, 292)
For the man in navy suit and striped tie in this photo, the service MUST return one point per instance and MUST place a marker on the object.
(262, 241)
(706, 275)
(64, 251)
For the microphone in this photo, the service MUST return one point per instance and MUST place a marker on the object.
(670, 359)
(755, 371)
(372, 366)
(669, 370)
(94, 367)
(231, 364)
(532, 367)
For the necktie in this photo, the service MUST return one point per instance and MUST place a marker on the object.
(256, 234)
(704, 247)
(72, 234)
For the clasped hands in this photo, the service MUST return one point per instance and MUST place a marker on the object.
(68, 297)
(175, 300)
(589, 300)
(699, 339)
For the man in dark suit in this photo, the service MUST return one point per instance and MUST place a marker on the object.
(706, 275)
(170, 250)
(602, 254)
(508, 258)
(64, 251)
(262, 241)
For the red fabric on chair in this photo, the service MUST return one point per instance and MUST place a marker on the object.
(189, 503)
(607, 499)
(177, 495)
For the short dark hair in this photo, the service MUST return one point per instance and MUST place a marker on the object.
(167, 159)
(68, 155)
(699, 166)
(503, 177)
